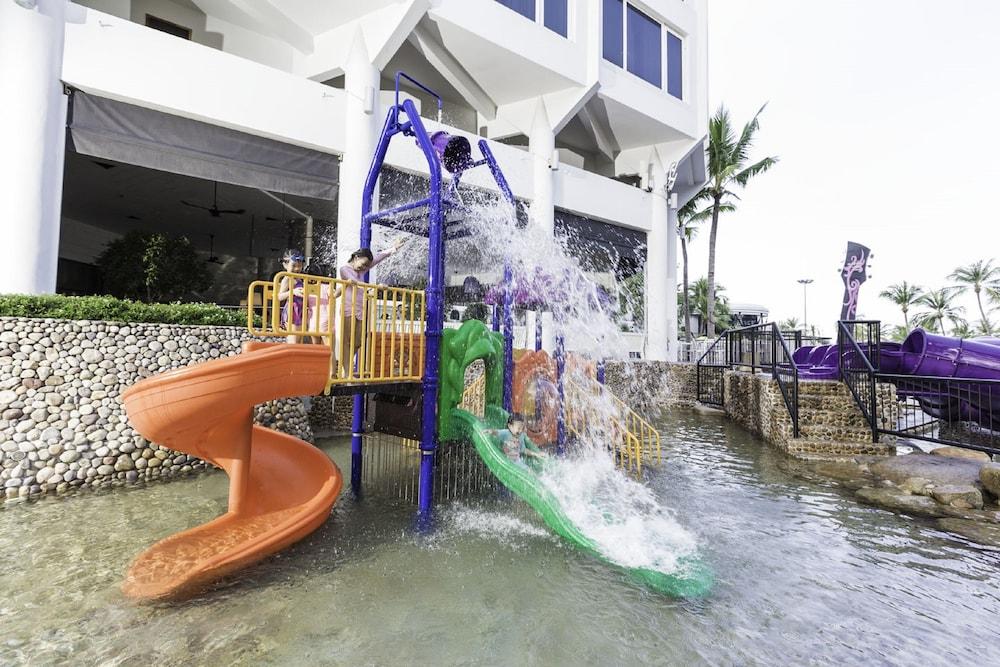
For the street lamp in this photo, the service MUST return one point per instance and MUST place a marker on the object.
(805, 282)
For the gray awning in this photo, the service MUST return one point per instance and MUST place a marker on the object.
(134, 135)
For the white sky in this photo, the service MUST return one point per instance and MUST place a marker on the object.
(883, 113)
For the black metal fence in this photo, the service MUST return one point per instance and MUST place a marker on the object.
(962, 412)
(762, 347)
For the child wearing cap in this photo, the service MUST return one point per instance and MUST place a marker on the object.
(290, 294)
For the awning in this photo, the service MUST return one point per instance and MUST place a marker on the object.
(600, 246)
(135, 135)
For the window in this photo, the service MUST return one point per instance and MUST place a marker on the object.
(556, 13)
(525, 8)
(613, 31)
(675, 66)
(634, 40)
(645, 58)
(167, 27)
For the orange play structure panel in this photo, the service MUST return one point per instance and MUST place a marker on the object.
(530, 366)
(280, 488)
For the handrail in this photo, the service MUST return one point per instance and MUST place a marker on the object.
(854, 377)
(385, 344)
(731, 346)
(474, 396)
(633, 439)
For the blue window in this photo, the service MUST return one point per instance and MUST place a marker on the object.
(613, 31)
(675, 66)
(525, 8)
(557, 16)
(645, 58)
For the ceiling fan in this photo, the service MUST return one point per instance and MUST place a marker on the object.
(214, 211)
(212, 257)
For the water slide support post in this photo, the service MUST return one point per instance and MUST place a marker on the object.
(560, 354)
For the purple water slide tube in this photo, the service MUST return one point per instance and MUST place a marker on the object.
(926, 356)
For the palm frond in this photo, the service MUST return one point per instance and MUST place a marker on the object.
(755, 170)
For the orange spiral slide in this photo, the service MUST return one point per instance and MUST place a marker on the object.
(280, 488)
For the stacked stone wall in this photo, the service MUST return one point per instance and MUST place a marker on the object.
(648, 386)
(830, 422)
(62, 424)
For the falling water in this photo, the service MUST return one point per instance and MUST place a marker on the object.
(616, 512)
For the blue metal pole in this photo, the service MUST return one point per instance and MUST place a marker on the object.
(435, 313)
(358, 413)
(538, 330)
(496, 317)
(600, 371)
(508, 339)
(561, 414)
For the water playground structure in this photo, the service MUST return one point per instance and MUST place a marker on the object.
(407, 378)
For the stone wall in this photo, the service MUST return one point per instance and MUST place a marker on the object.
(62, 424)
(648, 386)
(830, 423)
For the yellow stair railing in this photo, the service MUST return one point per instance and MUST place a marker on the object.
(375, 333)
(474, 396)
(634, 441)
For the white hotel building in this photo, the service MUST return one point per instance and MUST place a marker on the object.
(178, 115)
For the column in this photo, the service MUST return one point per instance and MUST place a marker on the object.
(661, 271)
(541, 144)
(33, 136)
(362, 124)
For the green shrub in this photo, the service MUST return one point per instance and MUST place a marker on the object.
(152, 267)
(476, 311)
(108, 308)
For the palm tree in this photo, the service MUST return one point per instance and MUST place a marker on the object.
(940, 307)
(687, 230)
(903, 295)
(791, 324)
(727, 168)
(962, 330)
(977, 275)
(699, 305)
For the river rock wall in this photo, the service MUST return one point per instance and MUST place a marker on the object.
(62, 424)
(830, 423)
(648, 386)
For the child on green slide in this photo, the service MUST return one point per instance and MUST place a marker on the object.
(514, 441)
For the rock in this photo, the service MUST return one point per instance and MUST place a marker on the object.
(131, 476)
(105, 470)
(894, 499)
(124, 463)
(97, 436)
(989, 477)
(941, 470)
(916, 485)
(42, 475)
(959, 453)
(154, 462)
(54, 400)
(962, 497)
(977, 531)
(161, 454)
(69, 456)
(92, 356)
(9, 337)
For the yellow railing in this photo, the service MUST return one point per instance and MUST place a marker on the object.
(374, 332)
(634, 441)
(474, 396)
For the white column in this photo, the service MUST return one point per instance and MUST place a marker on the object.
(363, 122)
(661, 272)
(541, 144)
(32, 134)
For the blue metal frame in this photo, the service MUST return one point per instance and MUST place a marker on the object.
(437, 203)
(560, 356)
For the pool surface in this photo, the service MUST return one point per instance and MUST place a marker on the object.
(805, 576)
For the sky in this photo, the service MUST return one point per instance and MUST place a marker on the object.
(883, 114)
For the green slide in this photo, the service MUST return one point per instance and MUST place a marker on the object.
(473, 341)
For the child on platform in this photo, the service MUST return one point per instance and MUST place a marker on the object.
(320, 307)
(290, 294)
(515, 442)
(352, 331)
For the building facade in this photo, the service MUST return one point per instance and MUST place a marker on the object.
(597, 110)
